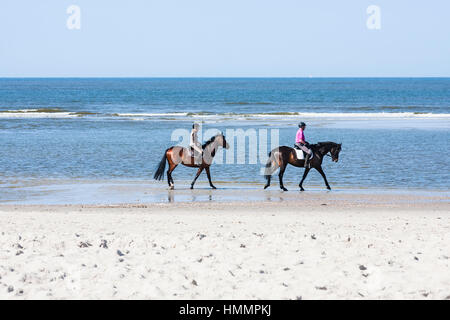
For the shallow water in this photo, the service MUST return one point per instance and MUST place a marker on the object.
(395, 132)
(137, 192)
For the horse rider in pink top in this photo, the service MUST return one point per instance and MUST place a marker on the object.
(301, 143)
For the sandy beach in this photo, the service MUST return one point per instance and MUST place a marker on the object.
(319, 246)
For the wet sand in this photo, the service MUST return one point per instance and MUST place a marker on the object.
(315, 245)
(60, 192)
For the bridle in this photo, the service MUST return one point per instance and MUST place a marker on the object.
(328, 154)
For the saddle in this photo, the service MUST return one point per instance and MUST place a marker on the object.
(300, 154)
(195, 156)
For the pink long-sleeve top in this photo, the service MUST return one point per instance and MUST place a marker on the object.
(300, 136)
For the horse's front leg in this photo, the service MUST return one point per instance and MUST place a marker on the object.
(209, 178)
(303, 179)
(196, 176)
(324, 177)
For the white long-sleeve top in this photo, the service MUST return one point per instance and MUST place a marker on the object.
(194, 139)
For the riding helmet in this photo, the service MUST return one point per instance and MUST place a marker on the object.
(301, 124)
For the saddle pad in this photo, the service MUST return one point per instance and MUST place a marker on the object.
(300, 154)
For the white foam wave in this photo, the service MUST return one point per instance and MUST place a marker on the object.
(36, 113)
(150, 115)
(277, 116)
(291, 115)
(355, 115)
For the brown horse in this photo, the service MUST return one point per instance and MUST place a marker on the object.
(176, 155)
(282, 156)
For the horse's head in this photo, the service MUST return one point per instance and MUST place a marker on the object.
(217, 141)
(335, 152)
(222, 141)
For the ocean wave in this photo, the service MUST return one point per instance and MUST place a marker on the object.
(168, 114)
(283, 115)
(244, 103)
(225, 116)
(358, 115)
(41, 110)
(37, 113)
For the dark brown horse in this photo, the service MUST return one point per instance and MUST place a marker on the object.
(176, 155)
(282, 156)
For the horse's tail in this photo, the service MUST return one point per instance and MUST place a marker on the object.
(159, 174)
(271, 165)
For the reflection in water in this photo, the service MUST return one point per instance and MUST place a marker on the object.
(201, 198)
(170, 196)
(193, 197)
(272, 198)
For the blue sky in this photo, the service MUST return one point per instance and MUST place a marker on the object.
(226, 38)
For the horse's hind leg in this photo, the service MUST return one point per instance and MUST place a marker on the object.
(280, 176)
(169, 176)
(268, 177)
(303, 179)
(271, 166)
(196, 176)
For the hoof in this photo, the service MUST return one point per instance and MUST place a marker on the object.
(171, 187)
(213, 187)
(329, 188)
(284, 189)
(301, 189)
(266, 186)
(192, 187)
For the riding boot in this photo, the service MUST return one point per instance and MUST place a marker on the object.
(307, 160)
(198, 157)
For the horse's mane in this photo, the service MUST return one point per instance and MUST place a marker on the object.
(211, 140)
(322, 143)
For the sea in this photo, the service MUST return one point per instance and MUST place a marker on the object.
(72, 132)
